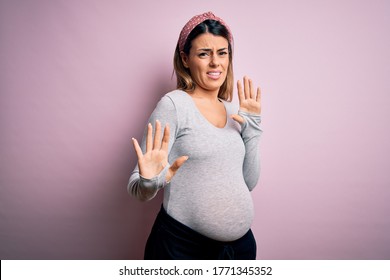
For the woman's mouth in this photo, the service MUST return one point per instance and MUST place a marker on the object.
(214, 74)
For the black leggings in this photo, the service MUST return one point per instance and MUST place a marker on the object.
(172, 240)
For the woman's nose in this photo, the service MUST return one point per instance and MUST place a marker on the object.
(214, 60)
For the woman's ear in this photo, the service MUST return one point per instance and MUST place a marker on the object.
(184, 59)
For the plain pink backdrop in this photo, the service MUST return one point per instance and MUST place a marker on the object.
(80, 78)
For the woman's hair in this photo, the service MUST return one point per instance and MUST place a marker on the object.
(183, 75)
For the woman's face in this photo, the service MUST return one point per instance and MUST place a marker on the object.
(208, 61)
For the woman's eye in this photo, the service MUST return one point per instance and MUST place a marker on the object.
(223, 53)
(203, 54)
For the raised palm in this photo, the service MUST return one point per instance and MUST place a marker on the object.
(155, 158)
(249, 98)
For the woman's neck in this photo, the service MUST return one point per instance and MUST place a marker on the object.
(210, 96)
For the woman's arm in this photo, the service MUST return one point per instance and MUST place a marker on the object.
(153, 170)
(250, 133)
(249, 119)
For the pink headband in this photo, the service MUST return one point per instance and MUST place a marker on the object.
(193, 22)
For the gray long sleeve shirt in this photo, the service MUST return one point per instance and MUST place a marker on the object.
(210, 193)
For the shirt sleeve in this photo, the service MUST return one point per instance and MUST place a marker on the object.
(138, 186)
(250, 133)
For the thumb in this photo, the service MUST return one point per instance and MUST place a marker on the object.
(175, 166)
(238, 118)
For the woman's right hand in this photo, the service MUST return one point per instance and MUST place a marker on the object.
(156, 155)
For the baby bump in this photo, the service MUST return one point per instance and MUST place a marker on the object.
(223, 212)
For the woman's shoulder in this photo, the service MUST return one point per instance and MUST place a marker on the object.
(168, 107)
(178, 98)
(176, 94)
(175, 100)
(173, 105)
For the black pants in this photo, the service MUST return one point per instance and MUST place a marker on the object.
(171, 240)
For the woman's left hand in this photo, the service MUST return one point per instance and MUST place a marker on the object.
(249, 99)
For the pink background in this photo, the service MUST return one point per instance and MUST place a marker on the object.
(80, 78)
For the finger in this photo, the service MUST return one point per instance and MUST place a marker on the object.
(238, 118)
(251, 89)
(246, 87)
(258, 95)
(174, 167)
(239, 90)
(157, 136)
(137, 148)
(165, 140)
(149, 141)
(177, 164)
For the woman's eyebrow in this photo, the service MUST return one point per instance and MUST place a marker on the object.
(209, 50)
